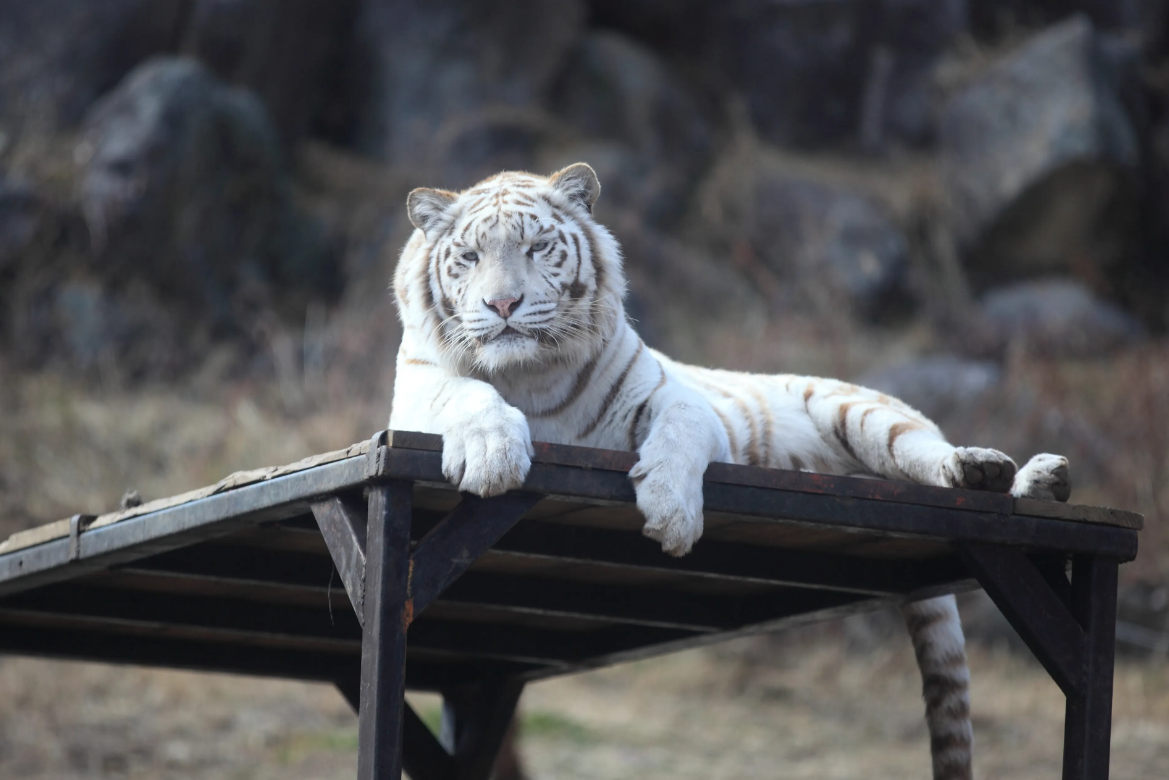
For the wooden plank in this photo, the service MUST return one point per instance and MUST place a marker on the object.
(259, 592)
(823, 484)
(176, 527)
(1077, 513)
(240, 617)
(750, 476)
(726, 560)
(59, 529)
(786, 507)
(603, 600)
(835, 605)
(72, 644)
(414, 440)
(597, 601)
(33, 536)
(88, 645)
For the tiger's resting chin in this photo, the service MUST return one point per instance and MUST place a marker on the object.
(507, 351)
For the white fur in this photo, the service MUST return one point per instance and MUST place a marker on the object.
(566, 367)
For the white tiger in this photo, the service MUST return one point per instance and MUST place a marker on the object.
(510, 296)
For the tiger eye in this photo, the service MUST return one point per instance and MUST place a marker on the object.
(539, 246)
(471, 257)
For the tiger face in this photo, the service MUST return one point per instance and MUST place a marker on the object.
(516, 267)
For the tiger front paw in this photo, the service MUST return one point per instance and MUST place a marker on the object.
(670, 498)
(490, 453)
(977, 468)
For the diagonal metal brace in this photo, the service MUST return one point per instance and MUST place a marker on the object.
(459, 539)
(344, 528)
(1034, 608)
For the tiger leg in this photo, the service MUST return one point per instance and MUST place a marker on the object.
(486, 444)
(683, 437)
(889, 439)
(923, 455)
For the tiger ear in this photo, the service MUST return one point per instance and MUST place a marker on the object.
(426, 207)
(578, 182)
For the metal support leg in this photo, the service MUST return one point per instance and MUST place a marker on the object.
(474, 722)
(1088, 718)
(383, 643)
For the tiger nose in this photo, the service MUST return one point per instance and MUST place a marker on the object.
(505, 306)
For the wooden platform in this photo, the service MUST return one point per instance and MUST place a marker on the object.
(366, 569)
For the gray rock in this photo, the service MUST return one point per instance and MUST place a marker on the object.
(438, 63)
(59, 55)
(813, 73)
(940, 387)
(1036, 157)
(1056, 317)
(471, 147)
(184, 186)
(94, 327)
(20, 216)
(996, 19)
(289, 53)
(829, 248)
(618, 91)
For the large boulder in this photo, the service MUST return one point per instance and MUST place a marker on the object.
(1038, 155)
(58, 309)
(290, 53)
(20, 216)
(444, 67)
(1054, 318)
(996, 19)
(811, 244)
(184, 185)
(812, 73)
(58, 56)
(620, 95)
(942, 387)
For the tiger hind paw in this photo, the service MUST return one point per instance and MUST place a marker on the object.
(1045, 477)
(977, 468)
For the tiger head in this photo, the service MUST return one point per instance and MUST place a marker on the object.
(513, 271)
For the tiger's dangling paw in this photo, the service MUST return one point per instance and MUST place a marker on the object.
(489, 453)
(1044, 477)
(669, 496)
(976, 468)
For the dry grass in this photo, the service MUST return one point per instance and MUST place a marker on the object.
(815, 711)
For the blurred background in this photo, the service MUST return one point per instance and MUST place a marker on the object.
(962, 202)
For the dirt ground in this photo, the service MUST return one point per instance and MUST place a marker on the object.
(812, 712)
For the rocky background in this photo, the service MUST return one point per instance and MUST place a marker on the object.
(963, 202)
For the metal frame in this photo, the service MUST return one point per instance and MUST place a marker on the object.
(242, 582)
